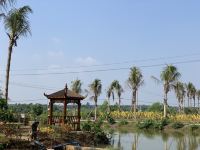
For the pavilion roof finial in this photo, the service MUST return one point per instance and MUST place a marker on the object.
(66, 89)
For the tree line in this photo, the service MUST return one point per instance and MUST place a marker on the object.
(169, 78)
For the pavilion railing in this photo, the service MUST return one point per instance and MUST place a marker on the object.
(57, 119)
(73, 121)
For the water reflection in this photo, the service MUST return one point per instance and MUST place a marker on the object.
(155, 140)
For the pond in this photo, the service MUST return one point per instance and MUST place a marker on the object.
(155, 141)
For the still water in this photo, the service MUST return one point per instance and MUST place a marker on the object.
(155, 141)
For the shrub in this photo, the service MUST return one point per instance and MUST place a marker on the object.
(87, 126)
(177, 125)
(191, 111)
(156, 107)
(123, 122)
(145, 124)
(194, 127)
(111, 120)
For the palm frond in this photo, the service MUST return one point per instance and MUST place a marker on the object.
(17, 22)
(156, 80)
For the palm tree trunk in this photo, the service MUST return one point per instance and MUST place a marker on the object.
(179, 109)
(119, 103)
(165, 104)
(188, 101)
(133, 101)
(108, 105)
(194, 102)
(8, 68)
(95, 112)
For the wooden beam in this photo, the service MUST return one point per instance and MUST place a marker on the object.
(79, 116)
(65, 111)
(51, 112)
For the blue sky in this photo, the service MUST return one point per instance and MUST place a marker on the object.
(88, 32)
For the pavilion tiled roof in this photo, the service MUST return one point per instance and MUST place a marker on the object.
(62, 95)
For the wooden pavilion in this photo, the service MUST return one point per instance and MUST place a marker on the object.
(64, 96)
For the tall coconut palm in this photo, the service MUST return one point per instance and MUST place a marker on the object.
(95, 88)
(198, 98)
(189, 88)
(180, 94)
(134, 81)
(119, 90)
(169, 76)
(17, 25)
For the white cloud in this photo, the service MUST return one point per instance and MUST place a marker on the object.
(86, 61)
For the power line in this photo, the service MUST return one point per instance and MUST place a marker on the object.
(104, 70)
(109, 64)
(31, 86)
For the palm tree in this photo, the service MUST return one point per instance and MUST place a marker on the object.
(95, 88)
(180, 94)
(134, 81)
(169, 76)
(115, 85)
(76, 86)
(4, 3)
(108, 94)
(17, 24)
(198, 97)
(193, 94)
(189, 88)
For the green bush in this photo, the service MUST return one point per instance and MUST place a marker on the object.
(146, 124)
(87, 126)
(111, 120)
(123, 122)
(177, 125)
(156, 107)
(191, 111)
(152, 124)
(194, 127)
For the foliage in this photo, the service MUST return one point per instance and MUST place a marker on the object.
(87, 126)
(96, 127)
(146, 124)
(177, 125)
(111, 120)
(7, 116)
(152, 124)
(194, 127)
(37, 109)
(123, 122)
(76, 86)
(195, 118)
(156, 107)
(48, 130)
(191, 111)
(3, 104)
(103, 107)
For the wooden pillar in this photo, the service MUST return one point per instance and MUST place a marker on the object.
(51, 112)
(64, 111)
(79, 115)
